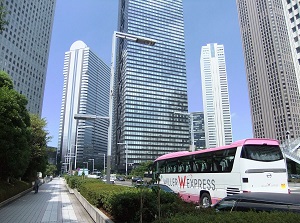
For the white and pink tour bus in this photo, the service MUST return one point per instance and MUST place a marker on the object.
(206, 176)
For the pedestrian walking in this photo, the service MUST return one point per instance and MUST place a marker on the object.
(36, 185)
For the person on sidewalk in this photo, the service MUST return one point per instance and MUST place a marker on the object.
(36, 185)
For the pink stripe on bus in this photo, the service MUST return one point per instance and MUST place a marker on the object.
(254, 141)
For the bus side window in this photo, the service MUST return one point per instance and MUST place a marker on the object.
(230, 164)
(217, 167)
(188, 168)
(195, 167)
(224, 165)
(175, 169)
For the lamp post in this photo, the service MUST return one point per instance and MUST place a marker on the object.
(192, 146)
(93, 164)
(137, 39)
(87, 166)
(126, 155)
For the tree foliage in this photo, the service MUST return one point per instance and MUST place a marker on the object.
(23, 138)
(51, 170)
(3, 13)
(142, 168)
(14, 132)
(5, 80)
(38, 146)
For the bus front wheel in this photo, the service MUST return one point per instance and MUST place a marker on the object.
(205, 200)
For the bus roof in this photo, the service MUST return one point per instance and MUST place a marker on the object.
(252, 141)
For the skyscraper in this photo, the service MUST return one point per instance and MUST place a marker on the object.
(85, 91)
(292, 18)
(270, 68)
(25, 46)
(215, 96)
(150, 82)
(198, 130)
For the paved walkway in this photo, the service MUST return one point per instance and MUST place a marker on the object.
(53, 203)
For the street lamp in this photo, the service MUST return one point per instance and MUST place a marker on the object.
(126, 154)
(192, 146)
(130, 37)
(87, 166)
(89, 117)
(93, 164)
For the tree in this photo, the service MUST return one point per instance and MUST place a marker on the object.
(14, 134)
(38, 147)
(51, 170)
(3, 13)
(142, 168)
(5, 80)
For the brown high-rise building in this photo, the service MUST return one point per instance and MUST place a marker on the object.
(271, 74)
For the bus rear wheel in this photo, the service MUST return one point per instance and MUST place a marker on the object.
(205, 200)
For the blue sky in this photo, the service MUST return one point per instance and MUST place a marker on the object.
(94, 21)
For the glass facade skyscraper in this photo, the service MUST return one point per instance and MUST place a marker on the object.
(150, 82)
(24, 47)
(85, 91)
(216, 106)
(198, 130)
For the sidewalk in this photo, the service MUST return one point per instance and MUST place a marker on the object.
(53, 203)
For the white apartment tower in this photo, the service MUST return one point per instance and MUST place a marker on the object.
(215, 96)
(24, 47)
(85, 91)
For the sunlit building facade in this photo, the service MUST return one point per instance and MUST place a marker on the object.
(85, 91)
(218, 131)
(150, 82)
(269, 36)
(292, 17)
(24, 47)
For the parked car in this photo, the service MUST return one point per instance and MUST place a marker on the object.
(162, 187)
(137, 180)
(112, 180)
(155, 186)
(120, 178)
(260, 201)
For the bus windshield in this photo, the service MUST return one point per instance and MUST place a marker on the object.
(265, 153)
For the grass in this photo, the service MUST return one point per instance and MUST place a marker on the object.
(8, 190)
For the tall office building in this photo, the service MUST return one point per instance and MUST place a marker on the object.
(292, 17)
(215, 96)
(85, 91)
(198, 130)
(150, 82)
(25, 46)
(270, 67)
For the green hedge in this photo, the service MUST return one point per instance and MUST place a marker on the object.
(128, 204)
(211, 216)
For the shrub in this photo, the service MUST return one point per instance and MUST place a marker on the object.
(126, 204)
(210, 215)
